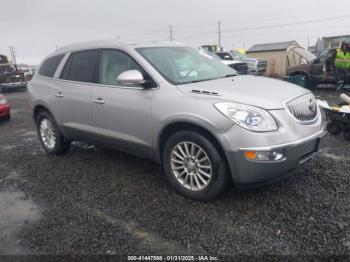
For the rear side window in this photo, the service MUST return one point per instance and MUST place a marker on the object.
(49, 66)
(81, 66)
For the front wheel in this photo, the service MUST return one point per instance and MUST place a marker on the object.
(194, 166)
(50, 137)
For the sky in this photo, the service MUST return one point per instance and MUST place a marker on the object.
(35, 28)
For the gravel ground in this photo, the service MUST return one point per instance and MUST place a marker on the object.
(96, 201)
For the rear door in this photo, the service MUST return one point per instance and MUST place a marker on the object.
(122, 114)
(73, 96)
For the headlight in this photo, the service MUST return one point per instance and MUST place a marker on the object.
(248, 117)
(3, 101)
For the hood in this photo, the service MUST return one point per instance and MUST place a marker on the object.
(257, 91)
(250, 59)
(231, 62)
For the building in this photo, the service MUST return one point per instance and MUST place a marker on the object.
(280, 56)
(330, 42)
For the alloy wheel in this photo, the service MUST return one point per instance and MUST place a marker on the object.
(47, 133)
(191, 166)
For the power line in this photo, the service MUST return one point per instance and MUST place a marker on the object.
(265, 27)
(288, 24)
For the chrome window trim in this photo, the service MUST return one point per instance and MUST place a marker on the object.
(69, 53)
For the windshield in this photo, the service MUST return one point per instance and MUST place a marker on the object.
(182, 65)
(237, 55)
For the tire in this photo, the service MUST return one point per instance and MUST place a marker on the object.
(219, 178)
(334, 128)
(59, 144)
(8, 118)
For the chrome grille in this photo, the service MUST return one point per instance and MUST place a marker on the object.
(240, 67)
(303, 108)
(262, 64)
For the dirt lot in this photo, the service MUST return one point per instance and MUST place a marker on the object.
(91, 200)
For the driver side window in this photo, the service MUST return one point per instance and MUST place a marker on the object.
(113, 63)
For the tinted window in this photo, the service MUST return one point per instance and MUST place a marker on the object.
(49, 66)
(113, 63)
(81, 66)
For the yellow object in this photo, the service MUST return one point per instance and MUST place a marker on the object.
(241, 50)
(342, 60)
(335, 109)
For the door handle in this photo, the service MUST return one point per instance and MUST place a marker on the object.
(98, 101)
(59, 95)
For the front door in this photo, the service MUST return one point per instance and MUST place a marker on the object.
(121, 114)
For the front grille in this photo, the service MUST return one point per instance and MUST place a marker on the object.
(240, 67)
(303, 108)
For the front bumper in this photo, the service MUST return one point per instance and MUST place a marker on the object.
(251, 173)
(256, 71)
(4, 111)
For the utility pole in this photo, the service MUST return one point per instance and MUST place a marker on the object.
(219, 33)
(13, 54)
(308, 43)
(171, 32)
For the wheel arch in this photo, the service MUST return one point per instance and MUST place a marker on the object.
(40, 108)
(175, 127)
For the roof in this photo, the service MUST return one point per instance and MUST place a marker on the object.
(336, 36)
(279, 46)
(112, 44)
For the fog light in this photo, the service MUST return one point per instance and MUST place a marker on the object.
(264, 155)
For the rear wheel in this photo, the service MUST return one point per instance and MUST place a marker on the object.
(50, 137)
(194, 166)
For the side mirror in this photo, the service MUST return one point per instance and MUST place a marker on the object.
(131, 78)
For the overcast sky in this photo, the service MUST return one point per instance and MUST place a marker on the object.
(36, 27)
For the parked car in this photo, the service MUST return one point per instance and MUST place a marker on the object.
(256, 66)
(4, 108)
(231, 64)
(207, 125)
(320, 70)
(11, 76)
(238, 65)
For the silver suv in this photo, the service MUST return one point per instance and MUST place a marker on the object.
(207, 125)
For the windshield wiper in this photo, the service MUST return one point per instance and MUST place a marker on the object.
(231, 75)
(202, 80)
